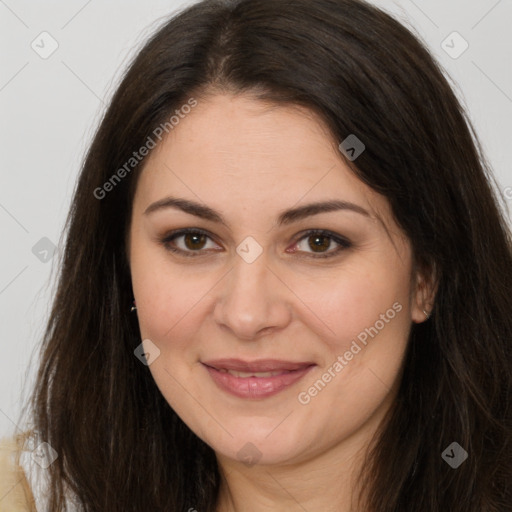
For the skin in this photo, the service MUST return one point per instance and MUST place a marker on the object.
(251, 162)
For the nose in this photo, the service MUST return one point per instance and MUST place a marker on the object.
(252, 300)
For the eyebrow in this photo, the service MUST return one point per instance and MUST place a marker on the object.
(285, 217)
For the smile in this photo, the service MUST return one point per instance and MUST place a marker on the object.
(255, 380)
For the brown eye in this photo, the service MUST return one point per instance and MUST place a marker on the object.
(319, 244)
(189, 242)
(194, 241)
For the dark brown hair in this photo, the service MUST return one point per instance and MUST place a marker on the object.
(121, 446)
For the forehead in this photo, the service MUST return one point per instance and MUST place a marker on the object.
(236, 150)
(229, 128)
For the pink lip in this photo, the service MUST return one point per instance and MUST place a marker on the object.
(256, 387)
(260, 365)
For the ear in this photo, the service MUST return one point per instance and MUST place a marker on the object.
(423, 294)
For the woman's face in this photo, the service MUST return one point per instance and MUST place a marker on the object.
(327, 313)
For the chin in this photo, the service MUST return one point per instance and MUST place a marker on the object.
(255, 442)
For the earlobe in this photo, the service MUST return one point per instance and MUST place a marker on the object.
(424, 296)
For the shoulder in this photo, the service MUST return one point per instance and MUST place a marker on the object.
(15, 493)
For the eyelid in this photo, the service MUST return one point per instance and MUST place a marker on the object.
(166, 240)
(343, 242)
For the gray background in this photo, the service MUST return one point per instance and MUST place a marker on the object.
(50, 106)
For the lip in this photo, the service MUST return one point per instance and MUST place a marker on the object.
(260, 365)
(256, 387)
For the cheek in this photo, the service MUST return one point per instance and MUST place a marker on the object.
(350, 304)
(155, 290)
(164, 307)
(369, 328)
(170, 299)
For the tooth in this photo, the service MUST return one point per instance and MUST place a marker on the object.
(255, 374)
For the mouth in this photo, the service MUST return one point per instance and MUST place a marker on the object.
(256, 379)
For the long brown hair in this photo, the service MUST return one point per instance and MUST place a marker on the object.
(121, 446)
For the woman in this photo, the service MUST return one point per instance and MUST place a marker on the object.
(286, 270)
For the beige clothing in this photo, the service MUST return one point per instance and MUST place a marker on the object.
(15, 493)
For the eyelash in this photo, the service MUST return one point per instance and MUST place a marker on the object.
(343, 243)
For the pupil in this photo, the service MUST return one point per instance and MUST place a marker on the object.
(194, 240)
(317, 242)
